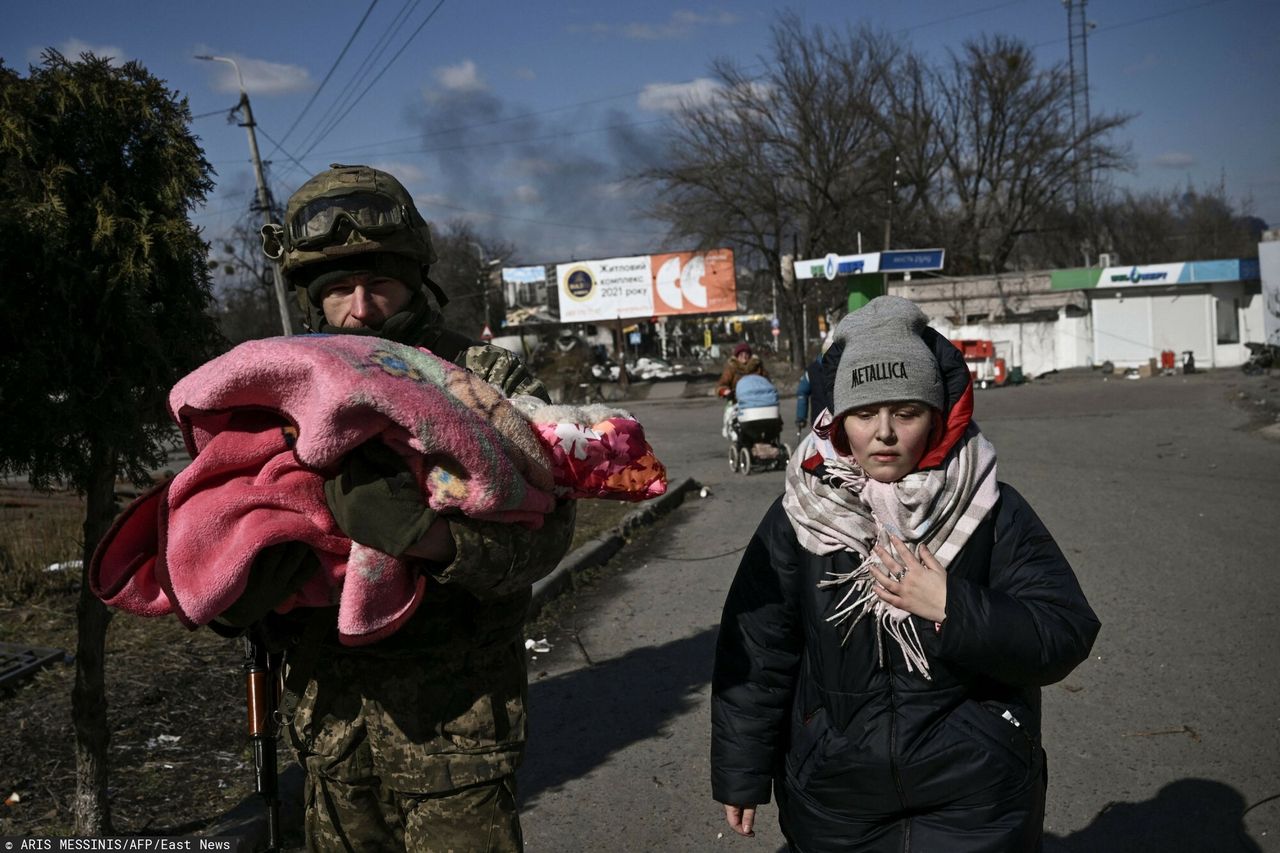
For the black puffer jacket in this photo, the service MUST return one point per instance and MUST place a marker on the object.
(864, 757)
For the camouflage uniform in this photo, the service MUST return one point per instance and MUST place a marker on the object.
(412, 742)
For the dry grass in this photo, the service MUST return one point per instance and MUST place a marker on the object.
(175, 710)
(598, 517)
(36, 532)
(175, 698)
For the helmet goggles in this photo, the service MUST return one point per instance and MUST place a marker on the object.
(317, 223)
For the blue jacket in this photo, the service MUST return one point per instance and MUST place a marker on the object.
(802, 400)
(754, 391)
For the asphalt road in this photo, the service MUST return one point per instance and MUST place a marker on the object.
(1160, 491)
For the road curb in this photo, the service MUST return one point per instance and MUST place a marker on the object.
(598, 551)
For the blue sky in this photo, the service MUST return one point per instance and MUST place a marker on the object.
(524, 117)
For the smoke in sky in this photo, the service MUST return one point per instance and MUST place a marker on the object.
(554, 184)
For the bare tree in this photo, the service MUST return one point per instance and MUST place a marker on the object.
(466, 270)
(910, 118)
(1004, 130)
(794, 161)
(1183, 225)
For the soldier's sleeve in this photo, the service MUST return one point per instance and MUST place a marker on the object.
(498, 559)
(504, 369)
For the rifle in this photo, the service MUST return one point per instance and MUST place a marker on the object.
(262, 686)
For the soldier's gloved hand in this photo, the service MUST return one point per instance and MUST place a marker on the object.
(377, 502)
(436, 545)
(277, 573)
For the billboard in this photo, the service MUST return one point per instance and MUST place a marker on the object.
(525, 285)
(661, 285)
(911, 260)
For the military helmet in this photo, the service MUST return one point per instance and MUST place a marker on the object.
(345, 211)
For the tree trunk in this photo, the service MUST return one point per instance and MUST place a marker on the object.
(88, 696)
(795, 333)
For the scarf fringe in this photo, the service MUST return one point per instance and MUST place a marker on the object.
(889, 619)
(838, 508)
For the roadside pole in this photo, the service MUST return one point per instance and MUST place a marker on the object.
(282, 301)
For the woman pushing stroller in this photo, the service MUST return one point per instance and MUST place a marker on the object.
(742, 363)
(883, 645)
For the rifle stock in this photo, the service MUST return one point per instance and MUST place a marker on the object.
(262, 695)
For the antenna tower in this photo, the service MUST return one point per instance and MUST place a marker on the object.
(1078, 66)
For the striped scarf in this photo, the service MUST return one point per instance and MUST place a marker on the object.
(834, 506)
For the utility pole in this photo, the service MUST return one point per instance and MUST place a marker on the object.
(483, 281)
(774, 318)
(893, 193)
(264, 201)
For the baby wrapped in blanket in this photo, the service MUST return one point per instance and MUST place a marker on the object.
(284, 432)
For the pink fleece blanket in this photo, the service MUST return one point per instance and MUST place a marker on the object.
(269, 421)
(186, 546)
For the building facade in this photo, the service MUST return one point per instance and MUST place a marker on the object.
(1054, 320)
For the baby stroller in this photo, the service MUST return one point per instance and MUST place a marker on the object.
(756, 427)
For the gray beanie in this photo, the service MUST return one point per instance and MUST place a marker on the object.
(885, 359)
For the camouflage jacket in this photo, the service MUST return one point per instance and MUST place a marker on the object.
(445, 693)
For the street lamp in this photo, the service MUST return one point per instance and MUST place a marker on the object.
(893, 195)
(282, 301)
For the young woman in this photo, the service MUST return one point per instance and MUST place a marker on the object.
(883, 646)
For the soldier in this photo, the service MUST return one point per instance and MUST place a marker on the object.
(411, 742)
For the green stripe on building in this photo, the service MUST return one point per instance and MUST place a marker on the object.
(1082, 278)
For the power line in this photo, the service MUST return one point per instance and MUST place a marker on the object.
(380, 46)
(279, 148)
(214, 113)
(957, 17)
(1135, 21)
(323, 82)
(536, 113)
(601, 99)
(358, 76)
(374, 81)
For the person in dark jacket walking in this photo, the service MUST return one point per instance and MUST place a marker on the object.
(882, 648)
(804, 389)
